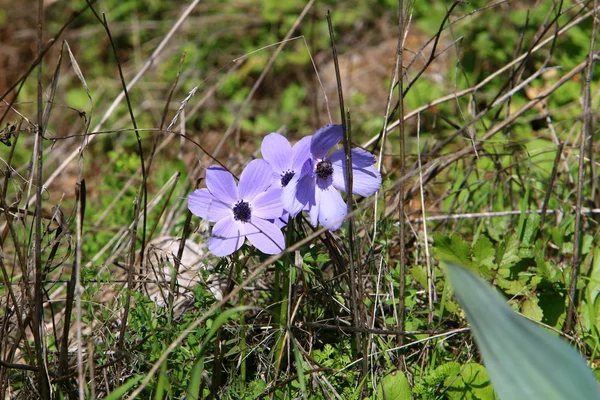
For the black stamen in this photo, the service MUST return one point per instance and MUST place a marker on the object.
(286, 177)
(324, 169)
(241, 211)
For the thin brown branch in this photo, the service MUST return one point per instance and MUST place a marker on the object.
(587, 132)
(402, 29)
(354, 274)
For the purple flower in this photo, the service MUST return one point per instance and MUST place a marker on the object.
(240, 211)
(322, 176)
(285, 161)
(282, 220)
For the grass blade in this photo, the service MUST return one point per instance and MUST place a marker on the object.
(119, 392)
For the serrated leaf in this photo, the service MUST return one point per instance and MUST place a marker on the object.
(567, 248)
(394, 386)
(484, 252)
(445, 370)
(526, 252)
(507, 254)
(531, 309)
(531, 225)
(509, 286)
(524, 361)
(452, 249)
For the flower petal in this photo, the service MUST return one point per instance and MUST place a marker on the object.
(365, 181)
(255, 179)
(313, 212)
(332, 208)
(277, 151)
(221, 184)
(267, 204)
(265, 236)
(324, 139)
(227, 236)
(203, 204)
(282, 221)
(298, 193)
(301, 153)
(360, 158)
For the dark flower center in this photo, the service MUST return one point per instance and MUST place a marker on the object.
(286, 177)
(324, 169)
(241, 211)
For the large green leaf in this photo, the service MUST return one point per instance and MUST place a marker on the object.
(524, 360)
(394, 386)
(470, 382)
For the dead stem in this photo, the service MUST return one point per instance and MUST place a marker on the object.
(586, 136)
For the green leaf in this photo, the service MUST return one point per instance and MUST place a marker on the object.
(471, 382)
(507, 254)
(162, 383)
(531, 226)
(594, 283)
(119, 392)
(437, 376)
(420, 275)
(586, 245)
(531, 309)
(220, 320)
(193, 389)
(524, 360)
(394, 386)
(299, 369)
(452, 249)
(484, 252)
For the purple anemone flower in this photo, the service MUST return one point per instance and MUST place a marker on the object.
(285, 160)
(322, 175)
(243, 211)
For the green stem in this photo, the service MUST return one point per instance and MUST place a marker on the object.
(242, 381)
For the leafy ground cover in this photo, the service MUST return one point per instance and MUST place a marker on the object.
(486, 149)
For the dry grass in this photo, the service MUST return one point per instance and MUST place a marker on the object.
(60, 303)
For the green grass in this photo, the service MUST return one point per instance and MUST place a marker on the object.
(287, 327)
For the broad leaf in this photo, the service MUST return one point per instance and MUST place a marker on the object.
(394, 386)
(470, 382)
(524, 360)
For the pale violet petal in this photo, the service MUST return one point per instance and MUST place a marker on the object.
(288, 197)
(265, 236)
(282, 221)
(365, 181)
(313, 210)
(203, 204)
(332, 208)
(221, 184)
(277, 151)
(276, 179)
(360, 158)
(301, 153)
(255, 179)
(267, 205)
(324, 139)
(227, 236)
(306, 190)
(298, 193)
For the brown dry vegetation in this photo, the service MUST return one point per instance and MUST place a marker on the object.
(457, 139)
